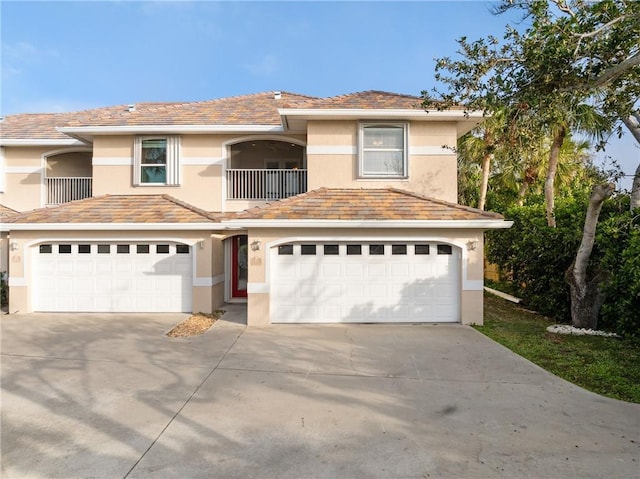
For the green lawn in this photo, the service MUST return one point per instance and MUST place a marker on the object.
(607, 366)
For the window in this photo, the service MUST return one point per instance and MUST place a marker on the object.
(162, 249)
(142, 249)
(64, 248)
(46, 249)
(331, 250)
(444, 249)
(308, 249)
(422, 249)
(104, 249)
(285, 249)
(84, 248)
(376, 249)
(122, 249)
(156, 160)
(399, 249)
(182, 249)
(354, 249)
(383, 151)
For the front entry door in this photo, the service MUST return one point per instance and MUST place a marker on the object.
(239, 264)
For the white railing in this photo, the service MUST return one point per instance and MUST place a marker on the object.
(254, 184)
(63, 190)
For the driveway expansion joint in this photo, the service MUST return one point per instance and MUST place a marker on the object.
(195, 391)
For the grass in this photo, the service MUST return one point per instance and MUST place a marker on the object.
(607, 366)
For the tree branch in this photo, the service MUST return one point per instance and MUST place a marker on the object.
(606, 76)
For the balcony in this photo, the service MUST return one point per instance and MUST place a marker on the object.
(64, 190)
(262, 185)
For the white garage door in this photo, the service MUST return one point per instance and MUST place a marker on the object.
(318, 282)
(112, 277)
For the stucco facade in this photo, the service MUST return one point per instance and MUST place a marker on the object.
(236, 155)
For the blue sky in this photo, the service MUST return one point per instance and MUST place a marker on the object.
(62, 56)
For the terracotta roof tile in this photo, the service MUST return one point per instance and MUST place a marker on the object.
(34, 126)
(253, 109)
(118, 209)
(6, 213)
(365, 204)
(371, 99)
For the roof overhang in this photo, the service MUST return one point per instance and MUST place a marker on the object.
(86, 133)
(42, 142)
(112, 226)
(409, 224)
(297, 118)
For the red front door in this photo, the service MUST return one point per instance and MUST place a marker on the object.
(239, 265)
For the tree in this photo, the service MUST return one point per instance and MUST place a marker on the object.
(586, 293)
(574, 55)
(633, 123)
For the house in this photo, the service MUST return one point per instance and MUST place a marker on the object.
(340, 209)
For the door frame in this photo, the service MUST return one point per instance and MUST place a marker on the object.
(235, 247)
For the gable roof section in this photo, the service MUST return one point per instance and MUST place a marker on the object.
(114, 210)
(254, 109)
(366, 100)
(34, 126)
(389, 206)
(259, 110)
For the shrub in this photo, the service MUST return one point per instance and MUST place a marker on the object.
(535, 258)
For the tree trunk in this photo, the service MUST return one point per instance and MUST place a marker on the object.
(549, 192)
(484, 186)
(635, 190)
(586, 294)
(633, 123)
(530, 177)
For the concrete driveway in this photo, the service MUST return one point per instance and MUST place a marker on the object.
(109, 396)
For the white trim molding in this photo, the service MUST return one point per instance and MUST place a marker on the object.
(366, 114)
(208, 281)
(23, 169)
(41, 142)
(169, 129)
(332, 150)
(472, 284)
(114, 227)
(411, 224)
(257, 288)
(104, 161)
(430, 151)
(18, 281)
(201, 161)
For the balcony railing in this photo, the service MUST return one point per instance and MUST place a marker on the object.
(64, 190)
(254, 184)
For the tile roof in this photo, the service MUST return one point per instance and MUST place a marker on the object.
(364, 204)
(366, 100)
(34, 126)
(118, 209)
(6, 213)
(253, 109)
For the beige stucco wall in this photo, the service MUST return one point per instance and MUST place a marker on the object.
(4, 251)
(471, 275)
(202, 159)
(26, 168)
(206, 268)
(332, 159)
(23, 190)
(74, 164)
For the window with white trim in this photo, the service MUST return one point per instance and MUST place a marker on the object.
(383, 150)
(156, 160)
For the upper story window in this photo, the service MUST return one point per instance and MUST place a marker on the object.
(157, 160)
(383, 150)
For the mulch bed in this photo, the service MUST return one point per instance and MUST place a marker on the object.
(195, 325)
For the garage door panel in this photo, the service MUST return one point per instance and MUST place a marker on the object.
(400, 287)
(330, 270)
(112, 282)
